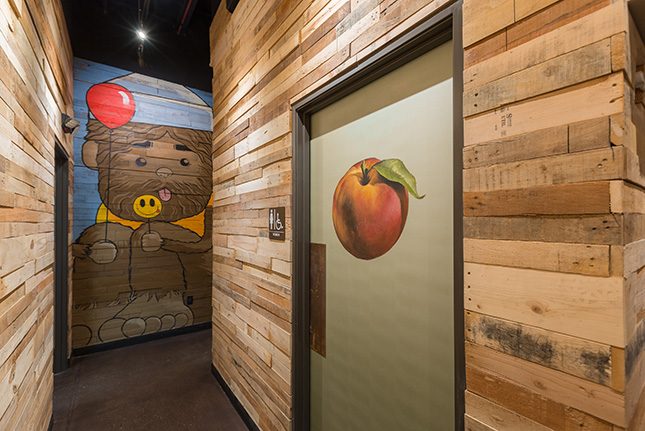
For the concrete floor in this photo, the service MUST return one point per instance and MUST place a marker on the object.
(159, 385)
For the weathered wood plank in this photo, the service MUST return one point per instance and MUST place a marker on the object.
(540, 143)
(485, 17)
(498, 417)
(485, 49)
(581, 358)
(577, 305)
(569, 199)
(627, 198)
(635, 300)
(595, 229)
(578, 167)
(548, 256)
(591, 100)
(560, 387)
(548, 19)
(589, 134)
(524, 8)
(473, 424)
(592, 28)
(529, 403)
(583, 64)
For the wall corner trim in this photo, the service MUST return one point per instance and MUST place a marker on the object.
(239, 408)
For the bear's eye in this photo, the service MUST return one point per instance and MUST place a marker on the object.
(184, 162)
(141, 161)
(152, 202)
(142, 203)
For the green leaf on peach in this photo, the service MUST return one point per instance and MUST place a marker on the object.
(394, 170)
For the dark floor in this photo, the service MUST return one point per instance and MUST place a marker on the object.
(159, 385)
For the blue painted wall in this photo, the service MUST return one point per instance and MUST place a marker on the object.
(161, 108)
(138, 272)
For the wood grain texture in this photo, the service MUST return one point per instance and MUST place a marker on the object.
(582, 102)
(35, 88)
(318, 298)
(589, 29)
(582, 64)
(584, 259)
(553, 203)
(529, 403)
(524, 8)
(586, 359)
(578, 198)
(576, 167)
(540, 143)
(497, 417)
(485, 17)
(587, 397)
(265, 56)
(592, 229)
(581, 306)
(550, 18)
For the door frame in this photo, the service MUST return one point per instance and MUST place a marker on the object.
(442, 27)
(61, 250)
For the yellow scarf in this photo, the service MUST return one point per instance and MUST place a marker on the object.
(194, 223)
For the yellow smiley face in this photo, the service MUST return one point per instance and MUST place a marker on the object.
(147, 206)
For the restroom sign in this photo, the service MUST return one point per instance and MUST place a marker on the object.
(277, 223)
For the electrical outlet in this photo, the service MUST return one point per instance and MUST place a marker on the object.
(189, 300)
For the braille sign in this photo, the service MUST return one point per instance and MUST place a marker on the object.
(276, 223)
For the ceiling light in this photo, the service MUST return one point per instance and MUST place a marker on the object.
(141, 34)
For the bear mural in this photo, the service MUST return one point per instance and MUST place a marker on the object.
(142, 261)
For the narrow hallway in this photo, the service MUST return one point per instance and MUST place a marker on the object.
(322, 215)
(168, 380)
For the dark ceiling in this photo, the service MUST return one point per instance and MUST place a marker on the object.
(177, 45)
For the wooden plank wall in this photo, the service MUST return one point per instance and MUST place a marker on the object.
(553, 203)
(35, 87)
(265, 56)
(140, 290)
(554, 206)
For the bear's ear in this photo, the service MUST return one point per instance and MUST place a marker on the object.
(90, 151)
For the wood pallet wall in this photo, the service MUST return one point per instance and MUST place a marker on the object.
(264, 56)
(554, 200)
(554, 206)
(35, 88)
(139, 290)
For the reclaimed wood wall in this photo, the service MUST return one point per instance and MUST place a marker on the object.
(554, 200)
(265, 56)
(35, 88)
(140, 288)
(554, 207)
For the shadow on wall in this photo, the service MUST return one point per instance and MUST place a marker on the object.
(143, 206)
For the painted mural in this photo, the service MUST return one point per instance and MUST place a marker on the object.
(143, 206)
(370, 206)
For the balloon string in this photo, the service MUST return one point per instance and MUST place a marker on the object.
(107, 193)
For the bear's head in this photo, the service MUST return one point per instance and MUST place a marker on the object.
(150, 172)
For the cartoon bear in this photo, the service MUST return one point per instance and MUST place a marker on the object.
(147, 253)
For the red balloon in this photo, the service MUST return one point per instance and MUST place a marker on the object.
(111, 104)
